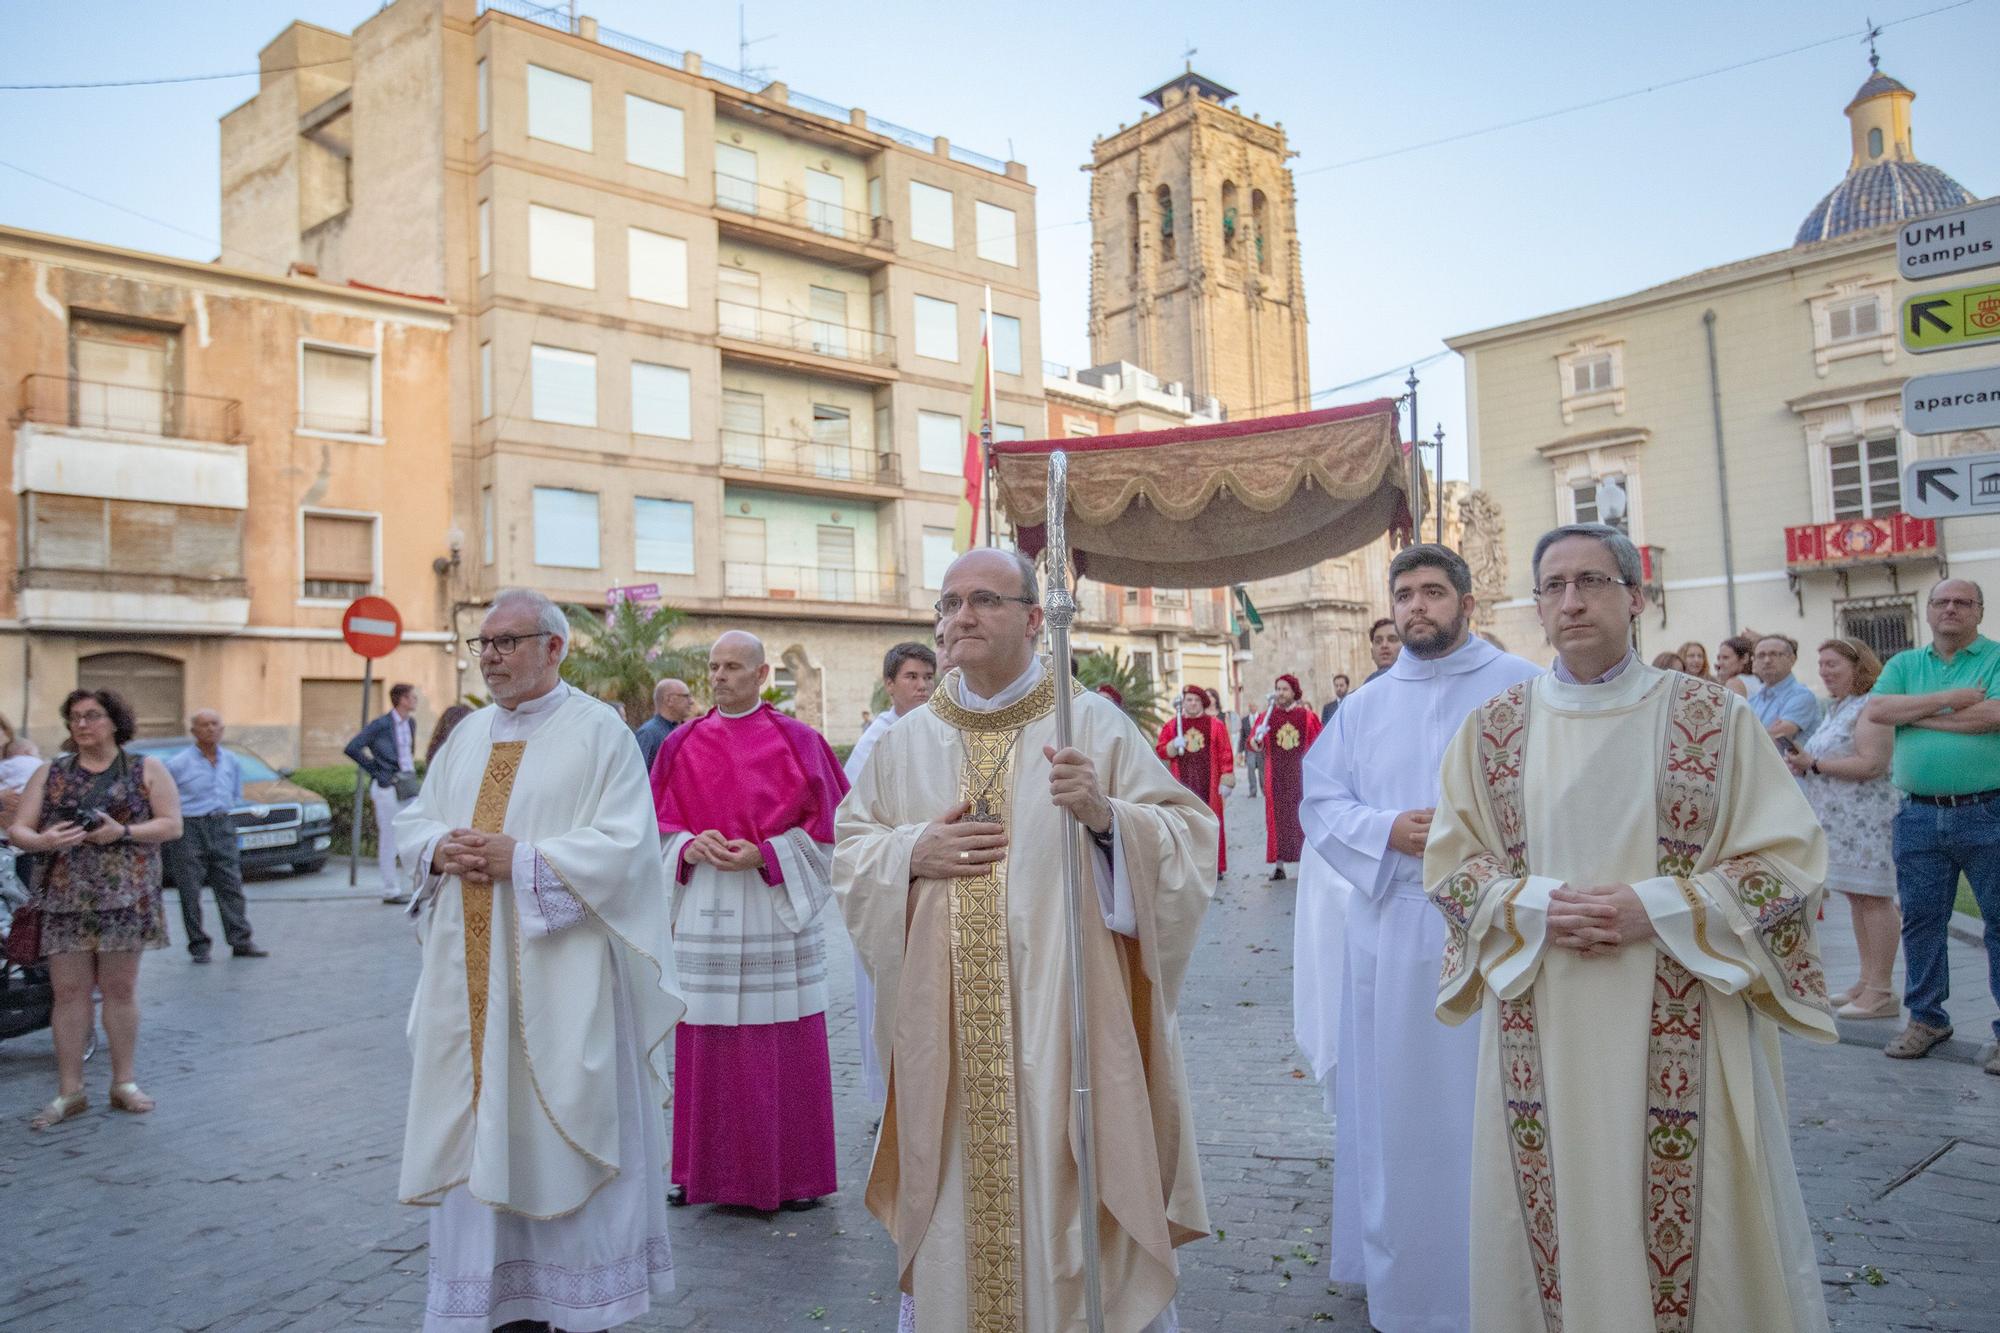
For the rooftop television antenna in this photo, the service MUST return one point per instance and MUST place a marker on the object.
(743, 44)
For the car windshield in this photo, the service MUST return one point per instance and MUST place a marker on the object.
(254, 768)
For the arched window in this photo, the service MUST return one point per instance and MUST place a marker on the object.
(1260, 223)
(1875, 142)
(1229, 219)
(1165, 195)
(155, 687)
(1132, 228)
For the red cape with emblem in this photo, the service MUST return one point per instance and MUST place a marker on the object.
(1201, 765)
(1288, 733)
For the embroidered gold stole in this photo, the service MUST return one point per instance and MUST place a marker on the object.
(489, 813)
(982, 1010)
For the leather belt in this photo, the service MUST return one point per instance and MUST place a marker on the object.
(1973, 798)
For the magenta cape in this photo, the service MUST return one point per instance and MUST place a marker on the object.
(748, 777)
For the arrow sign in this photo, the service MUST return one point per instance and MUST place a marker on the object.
(1952, 487)
(1945, 321)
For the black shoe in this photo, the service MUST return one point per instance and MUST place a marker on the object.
(396, 899)
(250, 951)
(799, 1205)
(677, 1197)
(197, 955)
(1279, 873)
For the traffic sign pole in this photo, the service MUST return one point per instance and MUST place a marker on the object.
(373, 628)
(360, 779)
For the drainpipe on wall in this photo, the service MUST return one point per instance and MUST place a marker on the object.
(1721, 469)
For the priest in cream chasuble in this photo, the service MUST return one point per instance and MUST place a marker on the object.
(948, 871)
(1629, 878)
(538, 1031)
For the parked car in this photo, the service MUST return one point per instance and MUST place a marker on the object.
(279, 823)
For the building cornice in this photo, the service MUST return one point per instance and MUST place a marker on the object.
(1795, 259)
(222, 279)
(1852, 393)
(1597, 439)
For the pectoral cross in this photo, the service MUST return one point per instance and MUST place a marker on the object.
(715, 915)
(982, 811)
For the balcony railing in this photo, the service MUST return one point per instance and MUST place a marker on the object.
(810, 583)
(802, 333)
(151, 581)
(62, 400)
(1860, 541)
(780, 203)
(827, 461)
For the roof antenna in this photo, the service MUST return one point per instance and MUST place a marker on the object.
(1874, 31)
(744, 41)
(1187, 56)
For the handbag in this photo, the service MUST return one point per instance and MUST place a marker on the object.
(407, 786)
(24, 936)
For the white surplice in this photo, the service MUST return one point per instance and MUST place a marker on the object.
(550, 1192)
(1403, 1096)
(864, 989)
(1319, 949)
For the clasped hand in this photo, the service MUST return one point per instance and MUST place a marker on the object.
(1597, 920)
(475, 857)
(710, 848)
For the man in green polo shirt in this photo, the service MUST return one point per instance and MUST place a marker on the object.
(1944, 702)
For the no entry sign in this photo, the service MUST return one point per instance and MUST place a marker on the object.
(372, 626)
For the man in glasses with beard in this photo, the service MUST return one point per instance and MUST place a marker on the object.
(1404, 1096)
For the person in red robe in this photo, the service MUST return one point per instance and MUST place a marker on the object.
(745, 797)
(1282, 733)
(1195, 746)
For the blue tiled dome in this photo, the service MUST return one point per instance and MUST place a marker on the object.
(1881, 193)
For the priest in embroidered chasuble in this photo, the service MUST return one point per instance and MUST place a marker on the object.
(949, 876)
(746, 798)
(538, 1031)
(1195, 746)
(1284, 732)
(1629, 879)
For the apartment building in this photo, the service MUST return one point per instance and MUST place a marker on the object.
(1177, 636)
(714, 336)
(208, 465)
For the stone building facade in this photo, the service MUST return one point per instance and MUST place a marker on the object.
(714, 335)
(207, 465)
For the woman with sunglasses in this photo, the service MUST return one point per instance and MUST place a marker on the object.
(97, 816)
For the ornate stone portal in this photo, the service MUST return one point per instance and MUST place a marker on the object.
(1484, 545)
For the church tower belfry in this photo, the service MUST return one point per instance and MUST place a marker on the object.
(1194, 253)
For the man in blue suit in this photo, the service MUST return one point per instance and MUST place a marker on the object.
(386, 750)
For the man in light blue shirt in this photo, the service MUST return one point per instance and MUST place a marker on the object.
(1788, 710)
(211, 785)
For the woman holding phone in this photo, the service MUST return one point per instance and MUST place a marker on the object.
(97, 816)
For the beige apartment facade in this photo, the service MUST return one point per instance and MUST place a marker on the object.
(1768, 389)
(207, 465)
(715, 337)
(1196, 275)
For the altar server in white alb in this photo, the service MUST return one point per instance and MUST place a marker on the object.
(539, 1028)
(1630, 877)
(908, 673)
(1403, 1095)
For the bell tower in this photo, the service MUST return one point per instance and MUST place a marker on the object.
(1194, 253)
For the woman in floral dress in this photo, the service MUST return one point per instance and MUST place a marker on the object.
(1843, 769)
(99, 816)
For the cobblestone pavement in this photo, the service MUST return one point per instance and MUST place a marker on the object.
(260, 1195)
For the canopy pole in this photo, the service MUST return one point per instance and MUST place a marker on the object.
(1060, 610)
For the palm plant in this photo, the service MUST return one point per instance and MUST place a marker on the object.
(621, 655)
(1143, 703)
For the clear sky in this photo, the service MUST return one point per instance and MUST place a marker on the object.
(1399, 251)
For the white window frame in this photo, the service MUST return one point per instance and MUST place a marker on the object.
(482, 97)
(534, 509)
(1007, 430)
(1836, 417)
(925, 217)
(1861, 443)
(486, 380)
(935, 561)
(1014, 341)
(488, 541)
(686, 422)
(923, 307)
(1586, 462)
(554, 88)
(638, 239)
(299, 548)
(932, 462)
(667, 164)
(638, 565)
(1583, 352)
(562, 247)
(485, 237)
(373, 435)
(995, 233)
(1851, 307)
(534, 392)
(1847, 294)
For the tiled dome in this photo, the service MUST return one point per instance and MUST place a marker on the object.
(1879, 193)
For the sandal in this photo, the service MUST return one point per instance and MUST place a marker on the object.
(127, 1097)
(62, 1108)
(1841, 997)
(1886, 1007)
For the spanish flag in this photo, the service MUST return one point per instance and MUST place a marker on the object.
(978, 418)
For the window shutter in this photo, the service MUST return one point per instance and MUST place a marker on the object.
(340, 391)
(339, 549)
(68, 532)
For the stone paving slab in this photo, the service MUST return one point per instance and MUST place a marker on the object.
(260, 1196)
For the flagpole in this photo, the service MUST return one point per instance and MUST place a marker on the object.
(986, 425)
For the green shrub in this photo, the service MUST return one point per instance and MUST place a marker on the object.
(335, 783)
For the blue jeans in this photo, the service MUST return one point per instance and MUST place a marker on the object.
(1934, 845)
